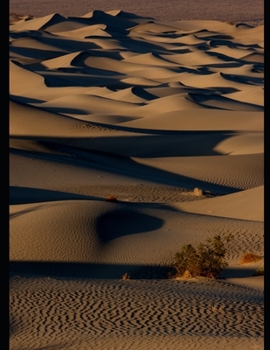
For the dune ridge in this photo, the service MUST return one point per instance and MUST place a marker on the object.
(165, 117)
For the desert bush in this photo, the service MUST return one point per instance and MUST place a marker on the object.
(198, 192)
(111, 199)
(259, 272)
(207, 260)
(250, 257)
(125, 276)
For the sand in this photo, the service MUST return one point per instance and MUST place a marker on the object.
(166, 116)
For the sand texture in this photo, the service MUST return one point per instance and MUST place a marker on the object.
(130, 137)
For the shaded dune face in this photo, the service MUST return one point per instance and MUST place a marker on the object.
(118, 223)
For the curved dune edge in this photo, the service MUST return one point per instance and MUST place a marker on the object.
(130, 137)
(244, 205)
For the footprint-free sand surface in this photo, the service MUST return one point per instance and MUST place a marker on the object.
(165, 115)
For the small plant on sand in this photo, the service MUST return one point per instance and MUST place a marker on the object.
(207, 260)
(259, 272)
(198, 192)
(125, 276)
(250, 257)
(111, 199)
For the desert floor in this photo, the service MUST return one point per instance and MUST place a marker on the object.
(248, 11)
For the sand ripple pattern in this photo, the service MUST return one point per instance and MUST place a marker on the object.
(90, 312)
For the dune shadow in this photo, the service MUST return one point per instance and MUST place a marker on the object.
(121, 222)
(87, 270)
(66, 110)
(63, 80)
(36, 53)
(107, 271)
(234, 272)
(23, 195)
(24, 100)
(188, 144)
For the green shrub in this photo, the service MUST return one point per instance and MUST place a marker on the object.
(207, 260)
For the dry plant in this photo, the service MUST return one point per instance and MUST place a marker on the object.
(111, 199)
(198, 192)
(187, 274)
(259, 272)
(207, 260)
(250, 257)
(125, 276)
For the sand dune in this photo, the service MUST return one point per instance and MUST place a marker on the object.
(109, 103)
